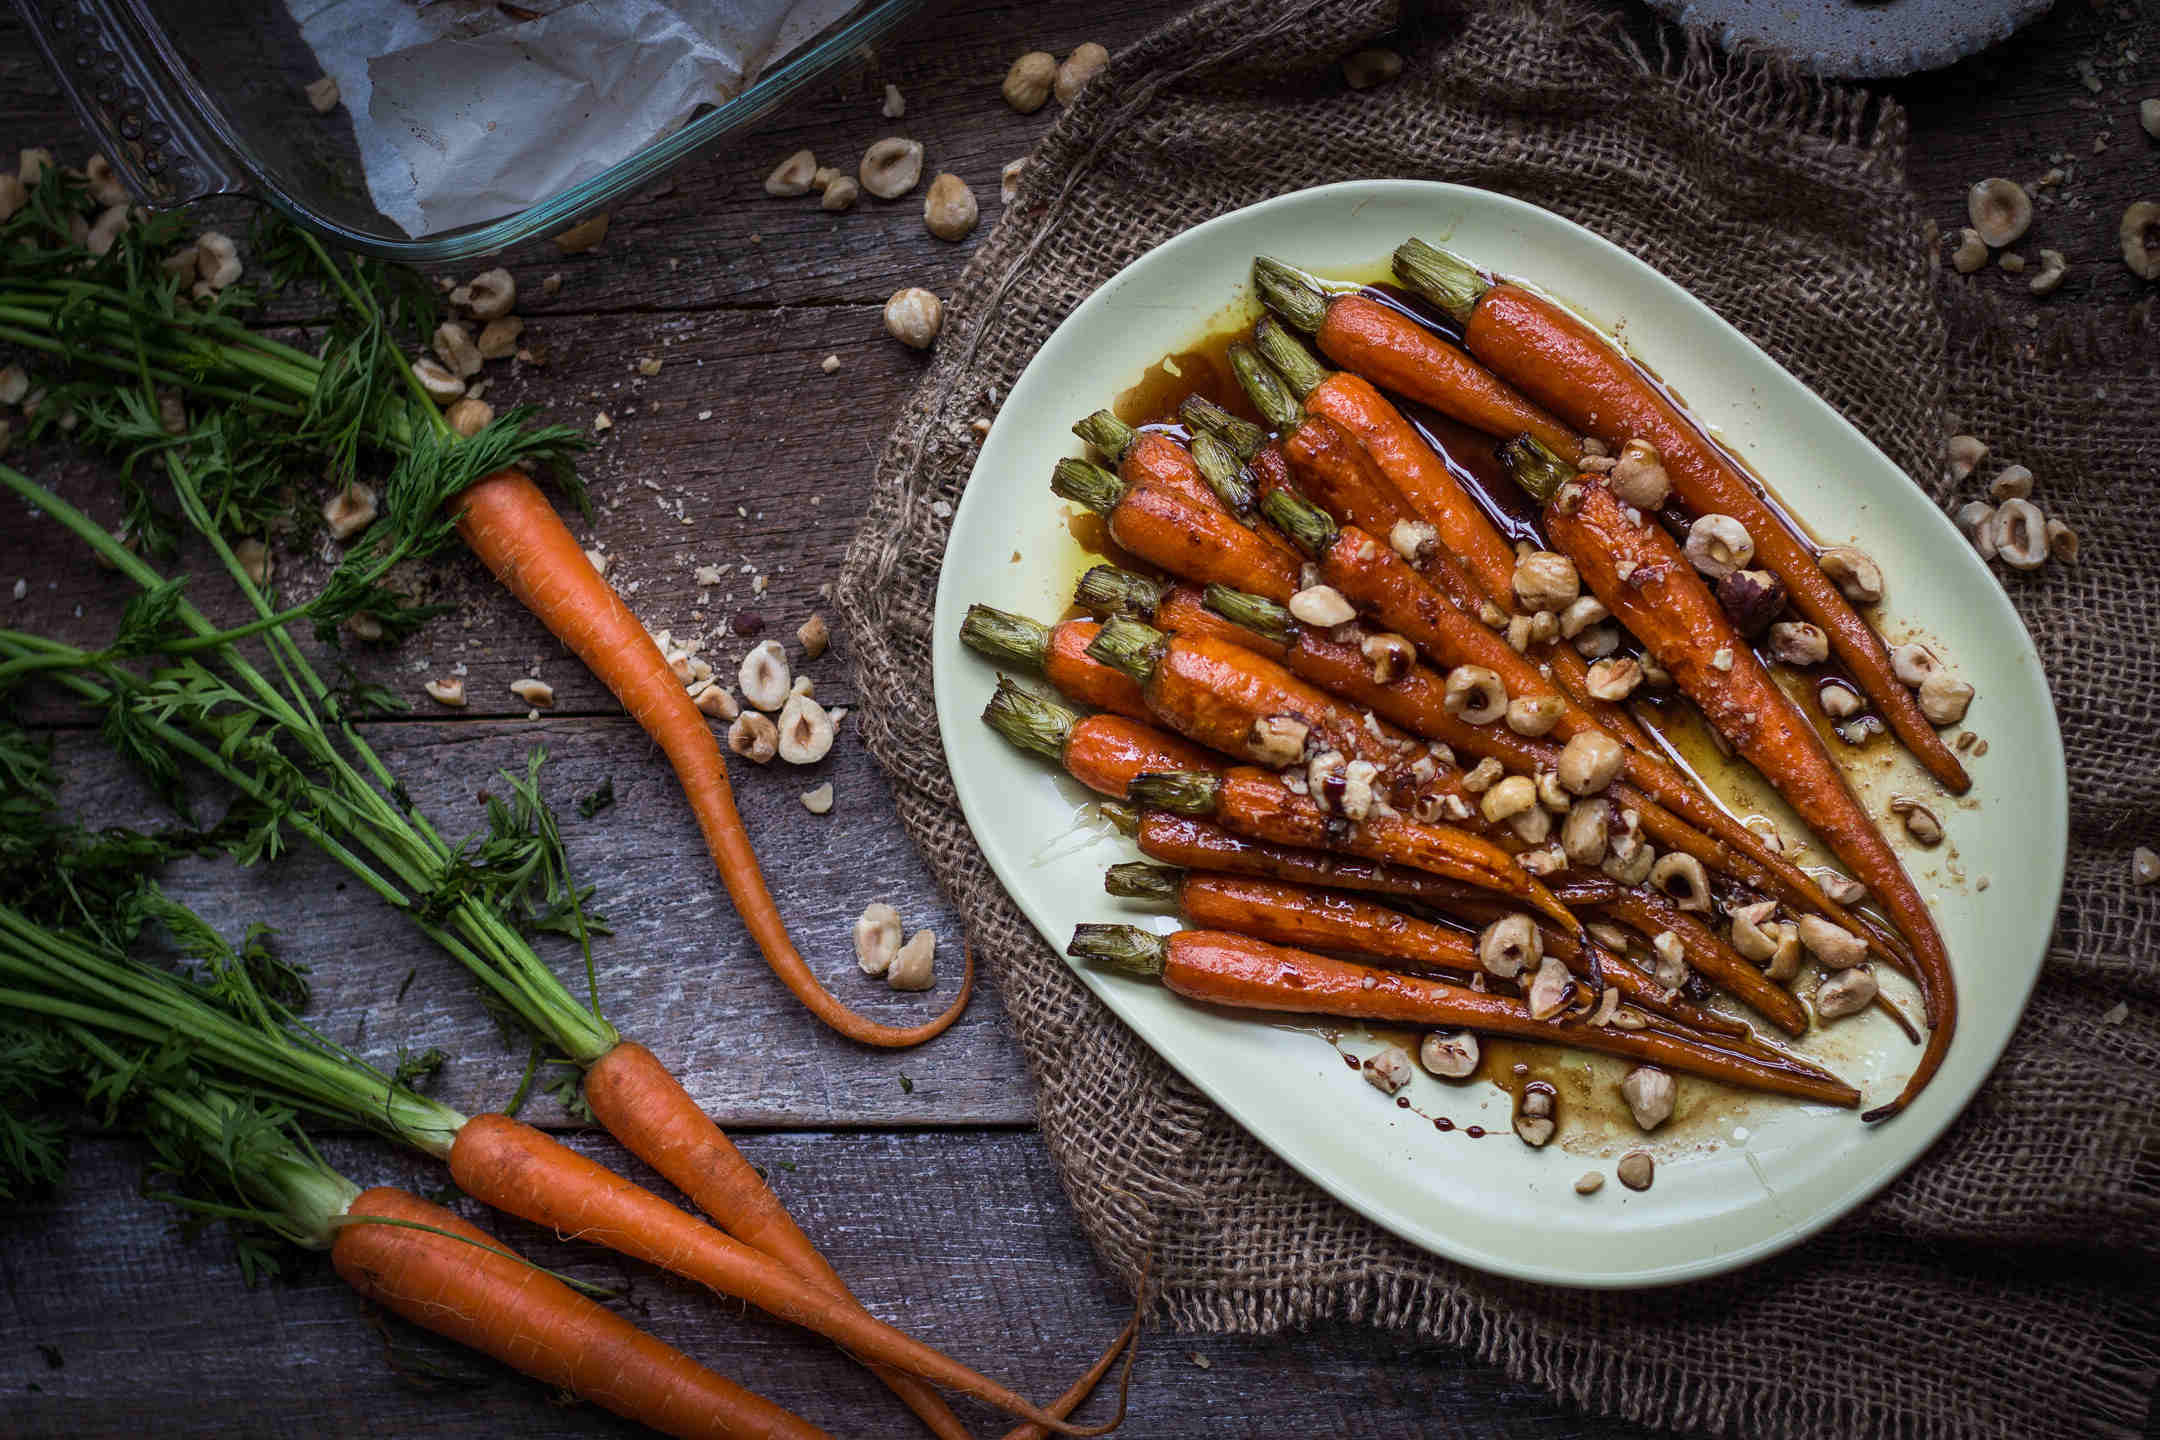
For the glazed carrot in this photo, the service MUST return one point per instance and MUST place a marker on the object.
(1180, 535)
(1377, 581)
(1255, 802)
(1224, 969)
(1649, 912)
(1301, 915)
(1106, 753)
(465, 1285)
(1178, 605)
(1462, 531)
(1585, 379)
(1151, 458)
(1058, 653)
(515, 1168)
(1669, 608)
(510, 525)
(1392, 350)
(1235, 700)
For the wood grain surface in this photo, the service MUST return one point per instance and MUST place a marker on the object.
(929, 1191)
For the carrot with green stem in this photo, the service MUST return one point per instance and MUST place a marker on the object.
(1203, 416)
(1106, 753)
(1665, 603)
(1058, 653)
(1394, 351)
(1151, 458)
(1256, 802)
(1219, 968)
(1176, 533)
(1377, 581)
(1586, 380)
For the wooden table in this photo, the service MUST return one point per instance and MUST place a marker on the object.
(919, 1173)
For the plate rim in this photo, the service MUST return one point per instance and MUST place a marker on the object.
(945, 649)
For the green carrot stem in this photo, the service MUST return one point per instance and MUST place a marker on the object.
(1138, 880)
(1540, 472)
(1298, 366)
(1006, 638)
(1106, 433)
(1129, 645)
(1268, 392)
(1220, 467)
(1305, 523)
(1126, 948)
(1087, 484)
(1448, 281)
(1253, 612)
(1108, 590)
(1290, 293)
(1185, 792)
(1243, 437)
(1030, 721)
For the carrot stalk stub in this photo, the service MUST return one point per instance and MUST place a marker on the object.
(510, 525)
(1669, 609)
(480, 1296)
(1581, 376)
(1056, 652)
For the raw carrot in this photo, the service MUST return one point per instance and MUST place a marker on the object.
(465, 1286)
(1665, 603)
(515, 1168)
(1058, 653)
(1224, 969)
(1106, 753)
(1178, 534)
(1255, 802)
(1585, 379)
(1392, 350)
(510, 525)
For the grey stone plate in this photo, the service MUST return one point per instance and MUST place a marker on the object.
(1860, 38)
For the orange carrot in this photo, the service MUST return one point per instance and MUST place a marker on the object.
(1106, 753)
(1390, 349)
(1148, 458)
(1665, 603)
(1649, 912)
(1058, 653)
(1224, 969)
(1585, 379)
(515, 1168)
(481, 1296)
(1178, 534)
(510, 525)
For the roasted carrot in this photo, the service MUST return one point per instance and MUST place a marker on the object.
(515, 1168)
(1589, 383)
(1233, 699)
(1106, 753)
(465, 1285)
(1203, 416)
(1301, 915)
(510, 525)
(1255, 802)
(1665, 603)
(1151, 458)
(1224, 969)
(1392, 350)
(1178, 534)
(1648, 912)
(1377, 581)
(1183, 842)
(1058, 653)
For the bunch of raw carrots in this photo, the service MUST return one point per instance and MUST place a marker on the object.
(216, 1068)
(1387, 707)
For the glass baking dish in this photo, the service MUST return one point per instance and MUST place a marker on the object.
(188, 100)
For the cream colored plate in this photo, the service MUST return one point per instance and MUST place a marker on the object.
(1738, 1179)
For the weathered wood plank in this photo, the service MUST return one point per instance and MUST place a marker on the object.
(679, 972)
(963, 1238)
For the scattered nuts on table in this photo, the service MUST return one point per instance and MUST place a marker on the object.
(1080, 67)
(2012, 482)
(2050, 275)
(490, 294)
(754, 737)
(13, 197)
(1976, 518)
(2144, 866)
(914, 967)
(1029, 82)
(14, 385)
(2000, 211)
(469, 416)
(895, 104)
(254, 558)
(818, 799)
(890, 167)
(2062, 542)
(914, 316)
(1717, 545)
(2011, 261)
(949, 209)
(1847, 993)
(1965, 451)
(716, 701)
(349, 511)
(584, 235)
(840, 195)
(1546, 580)
(441, 386)
(446, 692)
(322, 93)
(1450, 1054)
(109, 224)
(2149, 116)
(217, 259)
(1854, 572)
(536, 693)
(764, 676)
(877, 938)
(1832, 944)
(1971, 252)
(1636, 1169)
(793, 175)
(2140, 234)
(829, 364)
(1510, 945)
(1387, 1070)
(1650, 1093)
(2020, 533)
(824, 178)
(814, 636)
(1368, 68)
(1009, 179)
(499, 338)
(806, 731)
(454, 347)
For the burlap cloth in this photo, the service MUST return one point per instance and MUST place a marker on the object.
(2003, 1286)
